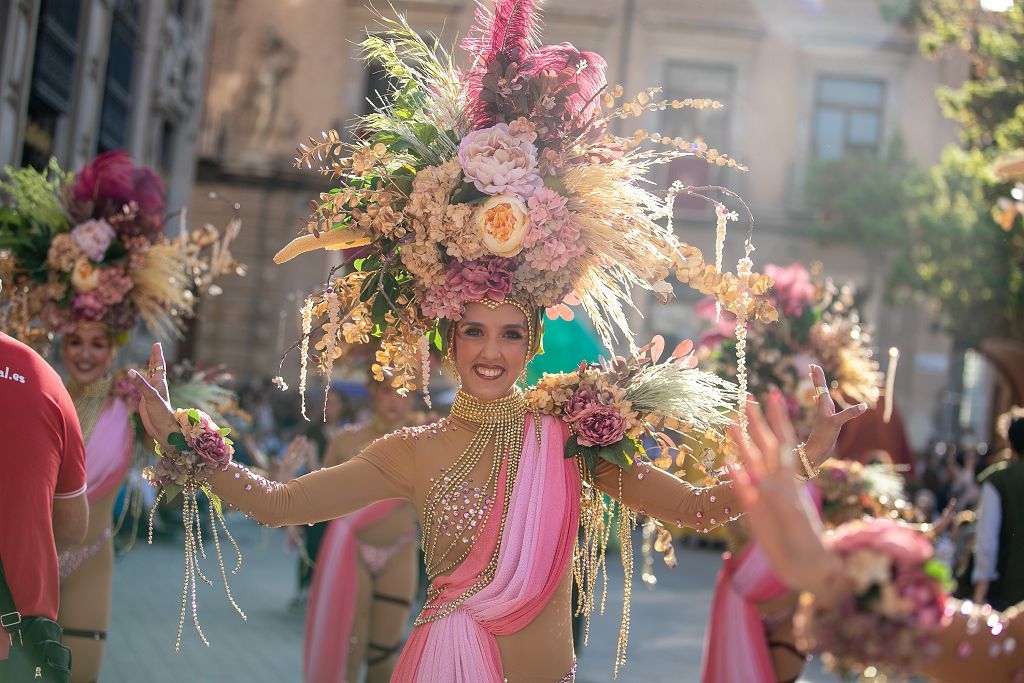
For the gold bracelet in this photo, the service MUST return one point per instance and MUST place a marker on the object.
(809, 470)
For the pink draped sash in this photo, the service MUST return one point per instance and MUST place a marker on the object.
(536, 548)
(736, 648)
(332, 597)
(109, 451)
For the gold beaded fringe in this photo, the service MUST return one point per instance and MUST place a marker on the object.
(194, 551)
(597, 512)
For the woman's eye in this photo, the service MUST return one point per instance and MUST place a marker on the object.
(514, 335)
(471, 332)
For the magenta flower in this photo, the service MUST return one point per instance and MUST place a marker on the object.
(86, 306)
(106, 181)
(488, 278)
(600, 426)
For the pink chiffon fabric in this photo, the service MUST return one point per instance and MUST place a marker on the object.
(535, 553)
(736, 647)
(332, 596)
(109, 451)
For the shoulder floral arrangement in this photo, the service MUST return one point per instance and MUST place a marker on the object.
(609, 407)
(500, 181)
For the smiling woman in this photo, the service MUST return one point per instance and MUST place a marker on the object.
(485, 200)
(491, 346)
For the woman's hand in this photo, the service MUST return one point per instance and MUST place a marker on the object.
(299, 452)
(155, 406)
(779, 512)
(827, 422)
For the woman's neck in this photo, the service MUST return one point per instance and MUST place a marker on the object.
(474, 410)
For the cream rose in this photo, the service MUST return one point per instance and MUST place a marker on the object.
(84, 276)
(504, 223)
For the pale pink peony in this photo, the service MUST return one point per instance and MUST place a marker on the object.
(93, 237)
(488, 278)
(498, 162)
(601, 426)
(904, 546)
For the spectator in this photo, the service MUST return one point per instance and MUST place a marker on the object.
(43, 505)
(999, 547)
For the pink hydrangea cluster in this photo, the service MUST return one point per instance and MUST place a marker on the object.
(554, 238)
(793, 288)
(489, 277)
(114, 285)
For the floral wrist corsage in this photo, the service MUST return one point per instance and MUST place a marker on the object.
(895, 606)
(198, 449)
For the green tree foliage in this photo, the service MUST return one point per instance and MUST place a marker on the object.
(936, 226)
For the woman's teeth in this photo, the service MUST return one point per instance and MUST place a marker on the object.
(489, 373)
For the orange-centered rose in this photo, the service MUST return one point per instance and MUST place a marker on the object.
(84, 276)
(504, 222)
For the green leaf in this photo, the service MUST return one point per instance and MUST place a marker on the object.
(229, 441)
(177, 440)
(215, 501)
(378, 310)
(193, 416)
(553, 182)
(468, 194)
(620, 453)
(171, 492)
(369, 287)
(425, 132)
(224, 431)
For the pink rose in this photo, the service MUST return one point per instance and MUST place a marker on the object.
(86, 306)
(498, 162)
(579, 405)
(600, 426)
(905, 546)
(93, 237)
(212, 448)
(489, 278)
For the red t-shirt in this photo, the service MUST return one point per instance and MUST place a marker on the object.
(42, 457)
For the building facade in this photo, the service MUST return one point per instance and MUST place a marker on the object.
(80, 77)
(801, 80)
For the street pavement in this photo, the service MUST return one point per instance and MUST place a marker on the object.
(666, 636)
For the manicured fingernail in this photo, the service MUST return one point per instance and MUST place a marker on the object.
(133, 373)
(862, 407)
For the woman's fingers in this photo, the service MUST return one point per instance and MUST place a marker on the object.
(762, 436)
(821, 396)
(778, 420)
(748, 453)
(845, 416)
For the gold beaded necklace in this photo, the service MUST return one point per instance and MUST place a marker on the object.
(89, 400)
(501, 422)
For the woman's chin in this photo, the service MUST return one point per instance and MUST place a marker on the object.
(487, 390)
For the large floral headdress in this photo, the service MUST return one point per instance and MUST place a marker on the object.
(499, 182)
(91, 248)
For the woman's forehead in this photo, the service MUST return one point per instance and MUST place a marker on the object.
(500, 316)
